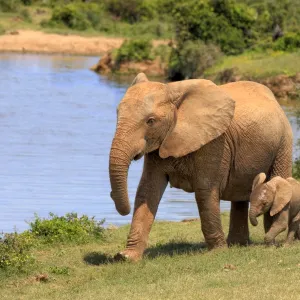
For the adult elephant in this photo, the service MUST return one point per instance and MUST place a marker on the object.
(203, 138)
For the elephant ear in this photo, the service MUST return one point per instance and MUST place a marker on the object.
(141, 77)
(259, 179)
(204, 112)
(282, 197)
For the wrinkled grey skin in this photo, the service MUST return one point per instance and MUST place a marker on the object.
(280, 198)
(202, 138)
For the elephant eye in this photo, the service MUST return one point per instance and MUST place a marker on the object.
(150, 121)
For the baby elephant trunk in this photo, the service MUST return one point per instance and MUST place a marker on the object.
(252, 217)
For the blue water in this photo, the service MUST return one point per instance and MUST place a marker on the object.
(57, 121)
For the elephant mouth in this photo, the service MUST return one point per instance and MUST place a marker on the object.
(138, 156)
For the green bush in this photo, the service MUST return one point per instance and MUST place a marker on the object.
(68, 228)
(24, 13)
(71, 16)
(2, 30)
(78, 16)
(191, 60)
(9, 5)
(15, 251)
(289, 42)
(228, 26)
(132, 10)
(134, 50)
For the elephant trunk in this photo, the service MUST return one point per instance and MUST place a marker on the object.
(119, 162)
(253, 217)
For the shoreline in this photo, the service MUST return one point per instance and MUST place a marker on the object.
(37, 42)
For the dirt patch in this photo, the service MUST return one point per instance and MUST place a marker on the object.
(40, 42)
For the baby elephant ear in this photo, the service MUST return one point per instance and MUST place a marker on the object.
(141, 77)
(259, 179)
(283, 195)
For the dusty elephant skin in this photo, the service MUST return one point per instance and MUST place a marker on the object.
(280, 199)
(200, 137)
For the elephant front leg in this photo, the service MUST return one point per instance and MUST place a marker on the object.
(238, 227)
(149, 193)
(279, 224)
(209, 209)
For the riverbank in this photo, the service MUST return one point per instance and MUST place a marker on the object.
(30, 41)
(177, 265)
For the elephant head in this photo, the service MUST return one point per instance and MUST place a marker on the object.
(273, 195)
(175, 119)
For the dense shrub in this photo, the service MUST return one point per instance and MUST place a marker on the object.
(192, 59)
(9, 5)
(15, 251)
(71, 16)
(134, 50)
(132, 10)
(24, 13)
(68, 228)
(224, 23)
(289, 42)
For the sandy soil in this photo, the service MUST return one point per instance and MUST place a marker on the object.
(40, 42)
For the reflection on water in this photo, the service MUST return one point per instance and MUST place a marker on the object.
(57, 120)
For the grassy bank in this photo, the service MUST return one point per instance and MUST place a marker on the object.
(176, 266)
(35, 17)
(259, 64)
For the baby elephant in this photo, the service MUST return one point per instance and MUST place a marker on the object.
(281, 197)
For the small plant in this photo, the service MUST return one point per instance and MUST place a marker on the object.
(15, 251)
(24, 13)
(68, 228)
(60, 270)
(134, 50)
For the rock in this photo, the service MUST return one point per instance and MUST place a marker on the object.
(14, 32)
(107, 65)
(283, 86)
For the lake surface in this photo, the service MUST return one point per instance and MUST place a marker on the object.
(57, 121)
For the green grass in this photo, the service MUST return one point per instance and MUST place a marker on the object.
(176, 266)
(259, 65)
(153, 29)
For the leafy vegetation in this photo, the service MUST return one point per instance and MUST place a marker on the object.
(177, 265)
(16, 249)
(9, 5)
(134, 50)
(192, 59)
(68, 228)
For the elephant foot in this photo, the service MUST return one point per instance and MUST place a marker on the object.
(128, 255)
(216, 244)
(238, 240)
(269, 241)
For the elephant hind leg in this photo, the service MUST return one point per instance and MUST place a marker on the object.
(238, 227)
(283, 162)
(293, 229)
